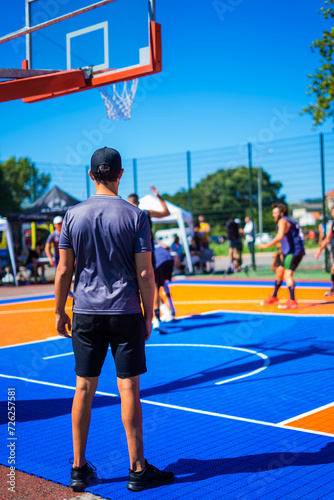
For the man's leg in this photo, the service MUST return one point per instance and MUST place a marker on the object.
(230, 254)
(34, 270)
(81, 412)
(273, 299)
(169, 298)
(231, 258)
(132, 420)
(290, 282)
(279, 280)
(291, 263)
(156, 303)
(331, 291)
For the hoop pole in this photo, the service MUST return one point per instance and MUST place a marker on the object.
(250, 167)
(135, 184)
(31, 29)
(28, 35)
(151, 10)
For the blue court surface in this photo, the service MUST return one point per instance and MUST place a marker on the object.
(218, 390)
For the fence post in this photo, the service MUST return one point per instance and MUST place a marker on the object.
(251, 200)
(190, 205)
(34, 181)
(134, 168)
(259, 191)
(322, 163)
(87, 182)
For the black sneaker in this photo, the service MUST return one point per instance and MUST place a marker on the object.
(81, 477)
(150, 477)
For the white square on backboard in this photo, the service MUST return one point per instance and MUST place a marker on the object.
(83, 31)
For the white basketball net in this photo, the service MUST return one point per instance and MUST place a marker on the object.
(118, 99)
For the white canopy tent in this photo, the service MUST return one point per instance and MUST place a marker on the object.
(177, 214)
(4, 226)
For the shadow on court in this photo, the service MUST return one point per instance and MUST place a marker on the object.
(199, 470)
(43, 409)
(175, 327)
(219, 373)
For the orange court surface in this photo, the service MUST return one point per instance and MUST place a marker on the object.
(258, 377)
(33, 318)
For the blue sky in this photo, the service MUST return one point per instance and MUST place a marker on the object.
(230, 67)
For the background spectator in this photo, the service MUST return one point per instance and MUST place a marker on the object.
(176, 251)
(249, 231)
(204, 228)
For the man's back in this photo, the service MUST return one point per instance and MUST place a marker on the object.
(293, 241)
(232, 229)
(105, 232)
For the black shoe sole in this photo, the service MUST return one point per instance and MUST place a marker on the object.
(155, 484)
(79, 485)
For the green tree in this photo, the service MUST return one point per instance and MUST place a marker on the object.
(322, 86)
(226, 193)
(20, 184)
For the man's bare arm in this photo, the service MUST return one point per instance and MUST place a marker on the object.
(146, 282)
(321, 234)
(283, 228)
(165, 212)
(325, 242)
(47, 250)
(62, 285)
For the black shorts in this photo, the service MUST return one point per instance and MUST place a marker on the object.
(164, 272)
(93, 333)
(291, 261)
(236, 244)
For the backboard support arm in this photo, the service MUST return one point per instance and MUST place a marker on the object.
(30, 29)
(47, 86)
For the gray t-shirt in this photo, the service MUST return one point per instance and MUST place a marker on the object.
(105, 232)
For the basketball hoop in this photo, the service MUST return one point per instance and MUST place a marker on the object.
(118, 99)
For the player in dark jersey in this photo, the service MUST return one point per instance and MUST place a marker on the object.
(325, 243)
(164, 264)
(134, 200)
(290, 235)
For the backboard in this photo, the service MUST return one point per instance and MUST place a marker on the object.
(72, 45)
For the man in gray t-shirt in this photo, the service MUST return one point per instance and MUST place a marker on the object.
(110, 242)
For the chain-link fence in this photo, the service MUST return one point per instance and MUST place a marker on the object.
(210, 182)
(295, 163)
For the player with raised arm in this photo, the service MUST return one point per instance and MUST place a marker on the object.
(290, 235)
(329, 238)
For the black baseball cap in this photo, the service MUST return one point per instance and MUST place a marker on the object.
(106, 156)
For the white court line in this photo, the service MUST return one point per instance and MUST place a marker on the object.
(26, 301)
(61, 355)
(306, 414)
(175, 407)
(263, 356)
(207, 313)
(240, 301)
(45, 309)
(264, 313)
(258, 370)
(243, 285)
(58, 337)
(52, 384)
